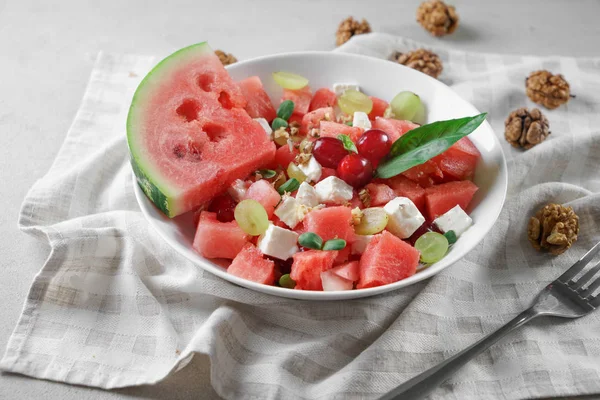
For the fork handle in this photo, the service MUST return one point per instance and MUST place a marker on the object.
(419, 386)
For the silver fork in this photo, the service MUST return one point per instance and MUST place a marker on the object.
(565, 297)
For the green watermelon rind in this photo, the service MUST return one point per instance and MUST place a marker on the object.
(149, 181)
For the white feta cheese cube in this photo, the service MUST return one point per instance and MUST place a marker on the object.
(456, 220)
(333, 190)
(360, 244)
(404, 217)
(307, 195)
(291, 212)
(278, 242)
(237, 190)
(340, 88)
(265, 125)
(361, 120)
(312, 169)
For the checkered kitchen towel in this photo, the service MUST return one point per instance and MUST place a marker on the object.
(114, 306)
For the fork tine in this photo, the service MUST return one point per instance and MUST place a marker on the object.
(586, 277)
(580, 264)
(591, 288)
(595, 302)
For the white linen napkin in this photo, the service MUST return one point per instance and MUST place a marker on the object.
(114, 306)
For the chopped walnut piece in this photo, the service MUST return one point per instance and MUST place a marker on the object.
(365, 197)
(525, 128)
(226, 58)
(437, 17)
(357, 215)
(553, 228)
(547, 89)
(350, 27)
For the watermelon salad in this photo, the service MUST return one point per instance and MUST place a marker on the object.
(325, 189)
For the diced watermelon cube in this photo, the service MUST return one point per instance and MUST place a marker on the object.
(295, 118)
(326, 173)
(393, 127)
(426, 174)
(349, 270)
(442, 198)
(343, 255)
(404, 187)
(323, 98)
(380, 194)
(259, 104)
(312, 119)
(387, 259)
(334, 129)
(307, 268)
(331, 223)
(263, 192)
(284, 156)
(379, 107)
(356, 202)
(250, 264)
(459, 161)
(333, 282)
(300, 97)
(216, 239)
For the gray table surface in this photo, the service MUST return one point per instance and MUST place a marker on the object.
(47, 53)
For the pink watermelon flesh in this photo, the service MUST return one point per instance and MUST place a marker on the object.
(393, 127)
(313, 118)
(379, 107)
(442, 198)
(250, 264)
(331, 223)
(322, 98)
(350, 270)
(333, 282)
(301, 99)
(343, 255)
(284, 156)
(426, 174)
(333, 129)
(188, 134)
(459, 161)
(216, 239)
(380, 194)
(263, 192)
(258, 102)
(307, 268)
(404, 187)
(326, 173)
(386, 260)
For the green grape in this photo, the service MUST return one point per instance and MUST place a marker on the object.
(288, 80)
(294, 172)
(373, 221)
(353, 100)
(433, 247)
(408, 106)
(252, 217)
(286, 281)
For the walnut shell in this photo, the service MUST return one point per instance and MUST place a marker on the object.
(554, 228)
(226, 58)
(437, 17)
(549, 90)
(350, 27)
(422, 60)
(524, 128)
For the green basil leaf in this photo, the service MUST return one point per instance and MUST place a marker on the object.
(285, 110)
(310, 240)
(286, 281)
(334, 244)
(266, 173)
(279, 123)
(349, 123)
(425, 142)
(451, 236)
(348, 143)
(289, 186)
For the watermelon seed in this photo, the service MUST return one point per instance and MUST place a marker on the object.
(189, 110)
(194, 150)
(179, 150)
(225, 100)
(215, 132)
(205, 82)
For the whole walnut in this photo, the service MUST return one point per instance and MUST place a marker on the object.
(350, 27)
(524, 128)
(437, 17)
(547, 89)
(553, 228)
(226, 58)
(422, 60)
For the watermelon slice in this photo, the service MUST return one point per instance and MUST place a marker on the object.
(380, 194)
(322, 98)
(333, 282)
(393, 127)
(386, 259)
(459, 161)
(333, 129)
(263, 192)
(343, 255)
(301, 99)
(444, 197)
(312, 119)
(426, 174)
(250, 264)
(379, 107)
(216, 239)
(350, 271)
(331, 223)
(284, 156)
(404, 187)
(307, 268)
(188, 134)
(258, 102)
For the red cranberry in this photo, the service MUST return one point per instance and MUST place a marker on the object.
(355, 170)
(329, 151)
(224, 207)
(374, 144)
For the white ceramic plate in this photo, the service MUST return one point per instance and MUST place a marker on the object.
(379, 78)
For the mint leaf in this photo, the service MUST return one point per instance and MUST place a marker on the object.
(285, 110)
(289, 186)
(279, 123)
(425, 142)
(348, 143)
(310, 240)
(334, 244)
